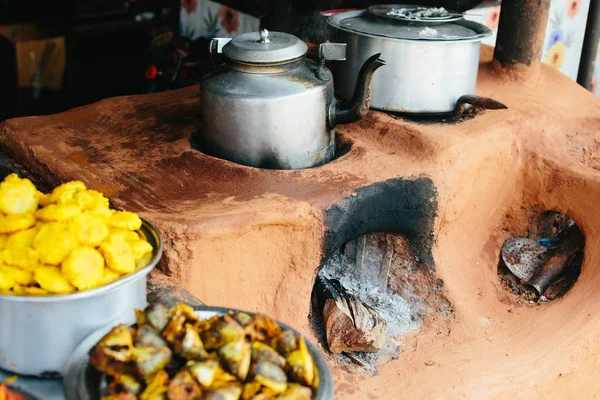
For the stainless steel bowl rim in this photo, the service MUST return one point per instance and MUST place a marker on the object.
(336, 19)
(102, 289)
(73, 373)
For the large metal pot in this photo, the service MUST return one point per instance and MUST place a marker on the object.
(429, 66)
(38, 334)
(84, 382)
(268, 106)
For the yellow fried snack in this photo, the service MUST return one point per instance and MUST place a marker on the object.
(117, 254)
(91, 200)
(35, 291)
(18, 196)
(19, 275)
(125, 234)
(124, 220)
(83, 267)
(88, 230)
(58, 212)
(108, 276)
(18, 250)
(3, 239)
(53, 243)
(63, 194)
(15, 223)
(51, 280)
(6, 280)
(139, 248)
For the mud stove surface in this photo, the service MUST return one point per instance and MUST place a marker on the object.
(254, 239)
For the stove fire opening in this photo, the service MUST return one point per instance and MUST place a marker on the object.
(371, 295)
(545, 265)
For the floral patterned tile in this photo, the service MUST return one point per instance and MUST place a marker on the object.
(203, 18)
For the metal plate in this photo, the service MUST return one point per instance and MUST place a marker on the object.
(83, 382)
(385, 10)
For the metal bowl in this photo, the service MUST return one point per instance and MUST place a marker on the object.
(84, 382)
(39, 333)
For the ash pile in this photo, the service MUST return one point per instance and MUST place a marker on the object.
(371, 294)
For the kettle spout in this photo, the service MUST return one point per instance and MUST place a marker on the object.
(361, 99)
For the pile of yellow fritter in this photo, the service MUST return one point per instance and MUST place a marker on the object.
(176, 356)
(65, 241)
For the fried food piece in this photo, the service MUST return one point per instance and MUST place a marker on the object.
(224, 391)
(269, 375)
(15, 223)
(20, 276)
(3, 239)
(261, 351)
(128, 235)
(190, 346)
(236, 357)
(122, 396)
(301, 367)
(113, 352)
(53, 243)
(285, 343)
(63, 194)
(124, 383)
(183, 386)
(18, 250)
(84, 267)
(18, 196)
(91, 200)
(50, 279)
(222, 330)
(157, 316)
(117, 254)
(124, 220)
(35, 291)
(139, 248)
(146, 336)
(150, 360)
(262, 328)
(108, 276)
(7, 281)
(88, 230)
(296, 392)
(156, 387)
(205, 372)
(250, 390)
(58, 212)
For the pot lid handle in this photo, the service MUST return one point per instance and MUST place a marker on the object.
(332, 51)
(264, 36)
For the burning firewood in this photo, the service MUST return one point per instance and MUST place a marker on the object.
(350, 324)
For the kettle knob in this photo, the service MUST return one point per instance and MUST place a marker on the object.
(264, 36)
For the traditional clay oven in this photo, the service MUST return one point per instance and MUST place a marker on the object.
(249, 238)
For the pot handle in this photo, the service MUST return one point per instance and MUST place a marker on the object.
(332, 52)
(217, 44)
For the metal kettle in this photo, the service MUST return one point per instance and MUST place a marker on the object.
(268, 106)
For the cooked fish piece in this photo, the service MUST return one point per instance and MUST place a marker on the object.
(125, 383)
(262, 351)
(183, 386)
(296, 392)
(224, 391)
(300, 365)
(262, 328)
(156, 387)
(285, 343)
(157, 316)
(147, 336)
(236, 357)
(149, 361)
(269, 375)
(250, 390)
(222, 330)
(122, 396)
(189, 346)
(205, 372)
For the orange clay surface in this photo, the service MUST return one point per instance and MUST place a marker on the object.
(247, 238)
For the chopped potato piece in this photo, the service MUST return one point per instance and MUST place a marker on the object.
(18, 196)
(50, 279)
(88, 229)
(58, 212)
(83, 267)
(124, 220)
(108, 276)
(19, 275)
(15, 223)
(117, 254)
(64, 193)
(54, 242)
(6, 280)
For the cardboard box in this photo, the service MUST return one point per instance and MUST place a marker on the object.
(32, 67)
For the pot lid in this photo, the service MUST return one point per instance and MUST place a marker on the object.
(361, 22)
(265, 47)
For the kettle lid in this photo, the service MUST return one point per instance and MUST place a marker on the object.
(265, 47)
